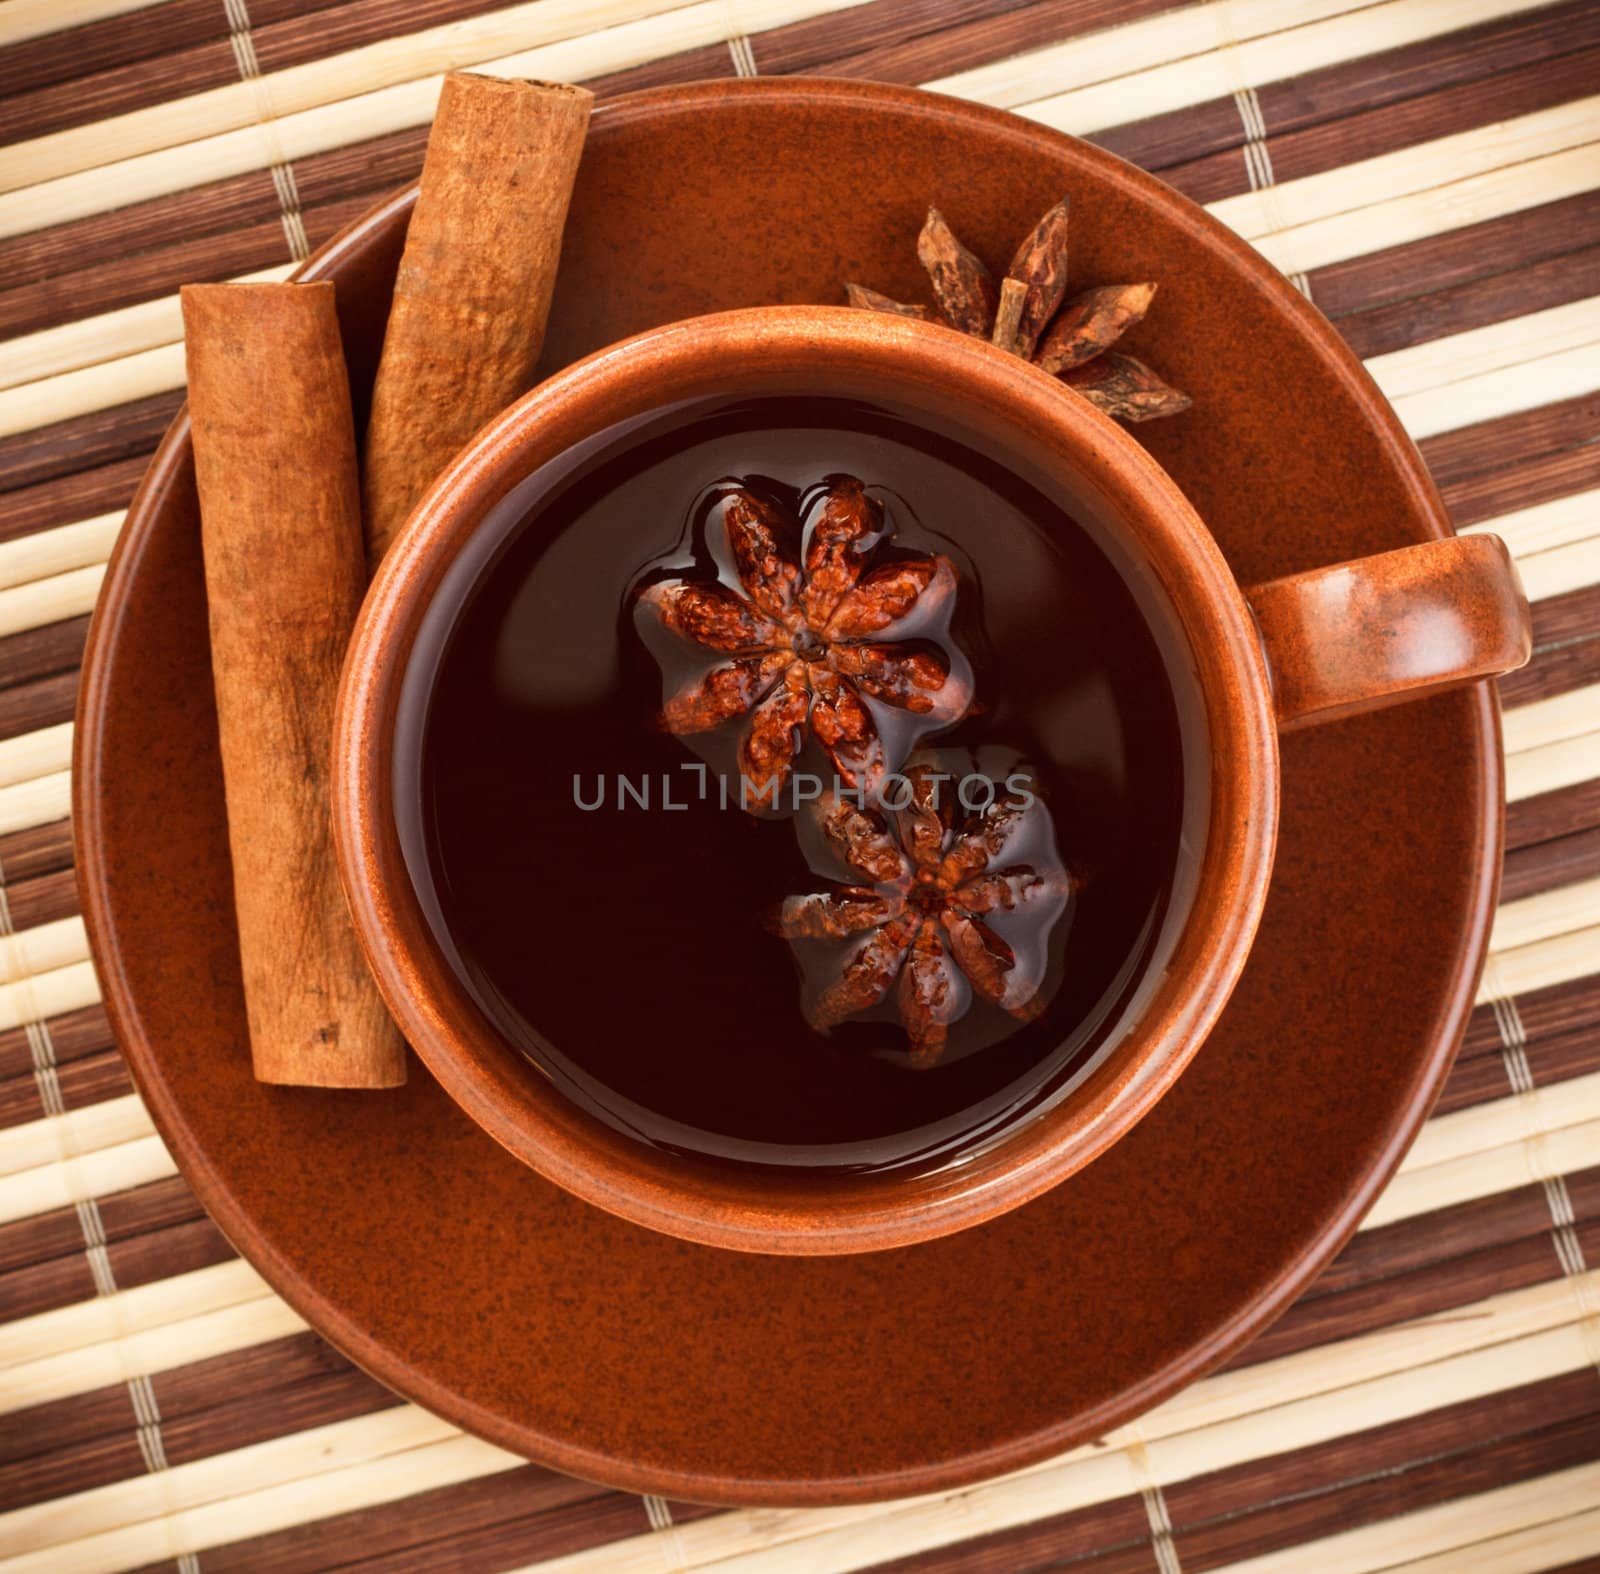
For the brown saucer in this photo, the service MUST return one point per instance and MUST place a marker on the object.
(458, 1276)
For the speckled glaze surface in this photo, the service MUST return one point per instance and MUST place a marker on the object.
(1337, 640)
(479, 1289)
(1006, 404)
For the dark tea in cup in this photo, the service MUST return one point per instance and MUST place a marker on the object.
(796, 783)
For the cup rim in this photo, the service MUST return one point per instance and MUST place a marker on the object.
(794, 1214)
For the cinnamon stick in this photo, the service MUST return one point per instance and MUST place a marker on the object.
(473, 291)
(280, 524)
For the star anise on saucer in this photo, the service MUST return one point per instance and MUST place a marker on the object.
(1028, 314)
(825, 623)
(938, 883)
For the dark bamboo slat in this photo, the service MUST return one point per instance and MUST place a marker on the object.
(237, 1423)
(1353, 87)
(1479, 1072)
(84, 442)
(125, 281)
(142, 34)
(141, 1259)
(1485, 1223)
(692, 65)
(1428, 1292)
(157, 1206)
(1554, 670)
(1571, 1055)
(1207, 1504)
(1499, 94)
(116, 282)
(137, 84)
(1544, 1013)
(126, 86)
(64, 500)
(1489, 445)
(1298, 1519)
(99, 1460)
(45, 703)
(391, 1529)
(1554, 282)
(1206, 1509)
(1559, 862)
(1550, 1057)
(80, 1083)
(113, 1455)
(74, 1036)
(1574, 616)
(35, 851)
(1450, 1429)
(1111, 1538)
(44, 899)
(255, 1375)
(1474, 1081)
(528, 1538)
(1541, 479)
(214, 208)
(1559, 813)
(1441, 262)
(44, 652)
(1330, 145)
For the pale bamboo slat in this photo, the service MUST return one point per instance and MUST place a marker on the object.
(1521, 1161)
(41, 801)
(1561, 569)
(400, 107)
(1328, 35)
(464, 41)
(1542, 917)
(1560, 522)
(1438, 362)
(33, 754)
(54, 1139)
(50, 600)
(224, 1331)
(86, 543)
(1482, 1128)
(1443, 1531)
(109, 1319)
(1548, 721)
(1133, 52)
(102, 1173)
(1552, 767)
(1428, 211)
(1553, 1544)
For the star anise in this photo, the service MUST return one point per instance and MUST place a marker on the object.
(937, 885)
(1024, 313)
(825, 625)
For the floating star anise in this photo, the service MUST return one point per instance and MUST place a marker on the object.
(938, 883)
(802, 637)
(1024, 313)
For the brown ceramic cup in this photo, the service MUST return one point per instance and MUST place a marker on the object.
(1248, 663)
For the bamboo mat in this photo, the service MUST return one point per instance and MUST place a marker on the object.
(1428, 172)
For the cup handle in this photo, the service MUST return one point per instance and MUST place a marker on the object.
(1362, 635)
